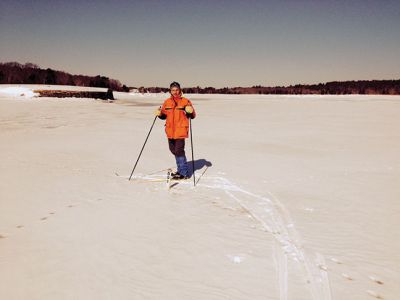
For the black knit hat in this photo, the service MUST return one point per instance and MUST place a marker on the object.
(174, 84)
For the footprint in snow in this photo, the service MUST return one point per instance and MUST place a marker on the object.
(374, 294)
(376, 280)
(336, 261)
(347, 276)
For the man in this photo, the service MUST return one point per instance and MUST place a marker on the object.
(177, 110)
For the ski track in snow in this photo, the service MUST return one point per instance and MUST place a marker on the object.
(275, 219)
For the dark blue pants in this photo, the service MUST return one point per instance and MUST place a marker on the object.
(177, 148)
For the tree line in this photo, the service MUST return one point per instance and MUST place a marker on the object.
(29, 73)
(362, 87)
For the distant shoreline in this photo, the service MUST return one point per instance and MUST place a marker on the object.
(68, 91)
(16, 73)
(360, 87)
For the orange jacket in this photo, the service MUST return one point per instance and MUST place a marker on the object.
(177, 121)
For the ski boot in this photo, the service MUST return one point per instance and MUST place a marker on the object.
(177, 176)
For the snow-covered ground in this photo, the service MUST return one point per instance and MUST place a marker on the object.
(17, 92)
(296, 198)
(17, 89)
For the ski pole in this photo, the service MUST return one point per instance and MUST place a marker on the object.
(191, 141)
(151, 128)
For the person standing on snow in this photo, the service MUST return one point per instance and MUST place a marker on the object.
(177, 110)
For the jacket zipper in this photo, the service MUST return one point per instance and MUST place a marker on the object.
(173, 118)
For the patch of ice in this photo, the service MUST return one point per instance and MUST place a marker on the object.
(237, 259)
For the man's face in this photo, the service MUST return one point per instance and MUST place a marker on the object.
(175, 91)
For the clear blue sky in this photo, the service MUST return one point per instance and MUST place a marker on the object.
(207, 43)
